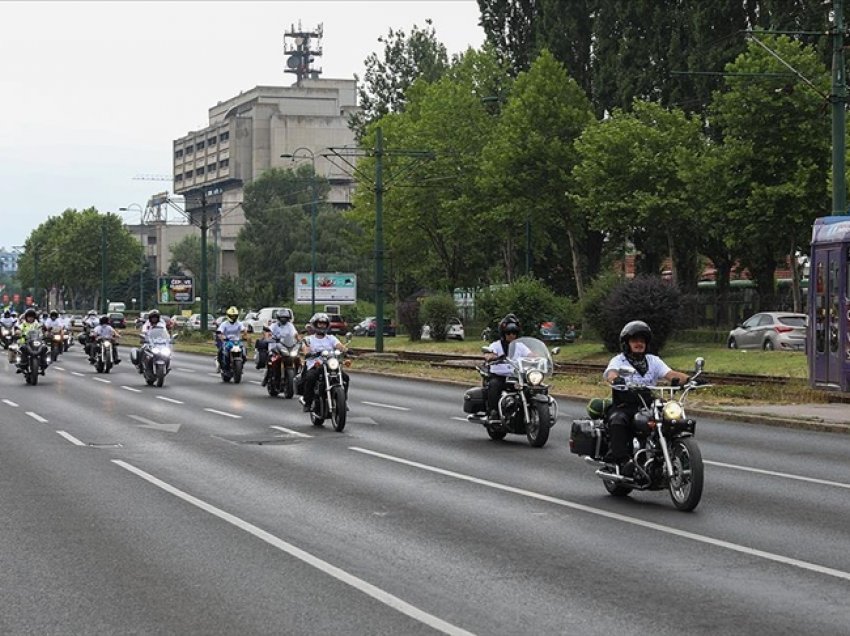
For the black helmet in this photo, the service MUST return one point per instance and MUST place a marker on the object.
(54, 314)
(7, 314)
(634, 329)
(509, 324)
(104, 320)
(30, 313)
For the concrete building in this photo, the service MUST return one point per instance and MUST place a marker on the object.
(8, 261)
(246, 135)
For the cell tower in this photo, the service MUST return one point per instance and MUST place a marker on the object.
(302, 48)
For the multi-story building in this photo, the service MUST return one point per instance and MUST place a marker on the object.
(8, 261)
(247, 135)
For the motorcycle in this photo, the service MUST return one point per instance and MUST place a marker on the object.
(32, 357)
(234, 359)
(6, 336)
(153, 358)
(282, 368)
(103, 355)
(57, 343)
(666, 456)
(525, 406)
(329, 399)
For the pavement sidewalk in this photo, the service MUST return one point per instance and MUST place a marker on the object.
(817, 417)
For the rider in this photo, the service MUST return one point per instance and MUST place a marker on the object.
(152, 321)
(105, 331)
(312, 348)
(284, 332)
(8, 320)
(230, 329)
(89, 322)
(649, 369)
(509, 330)
(53, 322)
(30, 323)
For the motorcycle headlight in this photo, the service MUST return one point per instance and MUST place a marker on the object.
(36, 343)
(156, 350)
(535, 377)
(57, 337)
(293, 353)
(333, 364)
(673, 411)
(237, 349)
(166, 351)
(107, 344)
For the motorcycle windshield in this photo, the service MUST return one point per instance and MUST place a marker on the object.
(527, 354)
(33, 335)
(158, 336)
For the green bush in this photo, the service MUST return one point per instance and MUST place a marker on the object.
(592, 305)
(530, 299)
(436, 311)
(646, 298)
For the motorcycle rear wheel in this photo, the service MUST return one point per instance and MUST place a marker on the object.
(99, 366)
(537, 429)
(338, 408)
(688, 474)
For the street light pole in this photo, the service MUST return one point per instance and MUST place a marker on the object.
(142, 242)
(313, 211)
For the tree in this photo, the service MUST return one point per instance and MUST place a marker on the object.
(186, 255)
(527, 168)
(777, 150)
(406, 58)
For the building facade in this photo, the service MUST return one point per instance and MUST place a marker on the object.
(8, 261)
(246, 136)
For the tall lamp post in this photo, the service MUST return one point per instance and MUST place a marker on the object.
(142, 243)
(313, 207)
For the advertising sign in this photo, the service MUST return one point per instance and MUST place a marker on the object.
(333, 288)
(175, 289)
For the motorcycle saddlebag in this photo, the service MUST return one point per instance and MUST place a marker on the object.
(134, 356)
(474, 400)
(586, 438)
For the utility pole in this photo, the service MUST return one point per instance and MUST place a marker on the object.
(35, 274)
(379, 240)
(103, 265)
(204, 299)
(838, 98)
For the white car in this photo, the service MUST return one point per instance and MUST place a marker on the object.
(194, 323)
(255, 320)
(454, 330)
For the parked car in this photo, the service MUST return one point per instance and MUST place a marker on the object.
(116, 319)
(369, 327)
(338, 325)
(180, 321)
(194, 323)
(454, 330)
(256, 320)
(769, 330)
(550, 331)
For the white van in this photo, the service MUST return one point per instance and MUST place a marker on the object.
(255, 321)
(116, 307)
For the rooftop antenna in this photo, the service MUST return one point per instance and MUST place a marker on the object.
(302, 48)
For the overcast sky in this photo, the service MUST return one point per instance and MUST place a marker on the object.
(94, 93)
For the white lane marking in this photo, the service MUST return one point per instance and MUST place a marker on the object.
(773, 473)
(290, 431)
(71, 438)
(104, 380)
(684, 534)
(130, 388)
(186, 370)
(36, 417)
(10, 403)
(386, 406)
(460, 419)
(146, 423)
(255, 382)
(323, 566)
(58, 368)
(224, 413)
(168, 399)
(78, 373)
(215, 375)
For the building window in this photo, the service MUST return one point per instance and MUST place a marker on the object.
(188, 174)
(199, 145)
(178, 177)
(223, 163)
(190, 150)
(210, 141)
(211, 167)
(178, 153)
(224, 136)
(199, 170)
(151, 240)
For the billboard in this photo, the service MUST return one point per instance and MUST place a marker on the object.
(330, 288)
(175, 289)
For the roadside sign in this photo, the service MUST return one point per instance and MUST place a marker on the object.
(175, 289)
(330, 288)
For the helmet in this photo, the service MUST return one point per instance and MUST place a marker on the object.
(317, 318)
(54, 314)
(509, 324)
(7, 314)
(232, 314)
(634, 329)
(104, 320)
(30, 313)
(92, 312)
(153, 316)
(13, 314)
(284, 315)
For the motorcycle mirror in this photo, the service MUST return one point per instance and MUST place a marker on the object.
(556, 351)
(485, 349)
(348, 337)
(174, 337)
(699, 364)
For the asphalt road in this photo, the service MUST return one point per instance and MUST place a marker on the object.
(211, 508)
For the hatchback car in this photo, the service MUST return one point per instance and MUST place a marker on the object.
(454, 330)
(117, 320)
(779, 330)
(369, 327)
(194, 323)
(338, 325)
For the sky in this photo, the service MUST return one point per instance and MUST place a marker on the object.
(94, 93)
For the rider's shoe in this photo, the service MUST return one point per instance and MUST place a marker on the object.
(265, 380)
(305, 405)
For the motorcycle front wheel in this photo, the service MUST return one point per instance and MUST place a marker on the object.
(160, 375)
(273, 382)
(33, 379)
(237, 371)
(289, 383)
(688, 474)
(540, 421)
(338, 408)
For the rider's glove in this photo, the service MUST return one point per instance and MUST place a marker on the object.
(618, 382)
(698, 380)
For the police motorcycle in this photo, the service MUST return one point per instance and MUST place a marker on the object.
(153, 358)
(31, 357)
(283, 366)
(666, 455)
(329, 399)
(525, 407)
(7, 336)
(102, 354)
(233, 354)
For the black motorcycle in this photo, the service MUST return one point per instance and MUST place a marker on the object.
(666, 455)
(153, 358)
(329, 398)
(57, 343)
(525, 407)
(103, 355)
(282, 368)
(32, 357)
